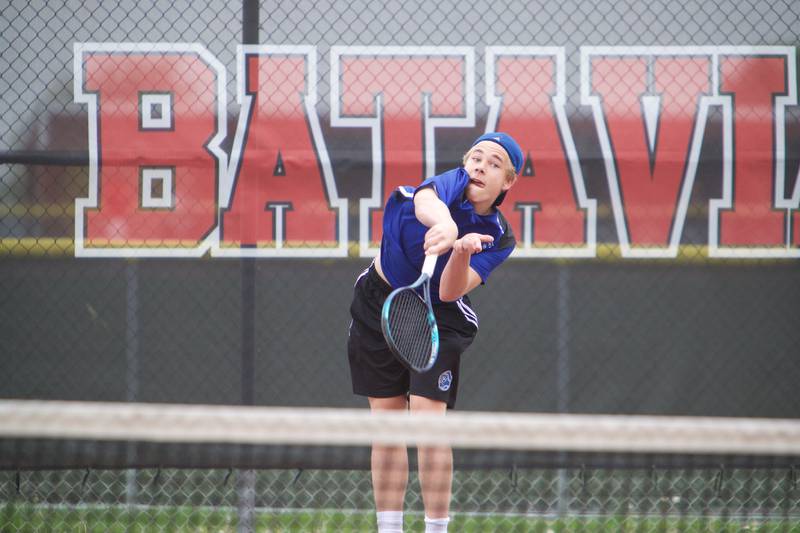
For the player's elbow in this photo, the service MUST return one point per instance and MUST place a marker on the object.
(449, 295)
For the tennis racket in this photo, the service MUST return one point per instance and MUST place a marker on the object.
(408, 323)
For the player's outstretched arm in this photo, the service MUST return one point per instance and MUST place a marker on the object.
(434, 214)
(458, 278)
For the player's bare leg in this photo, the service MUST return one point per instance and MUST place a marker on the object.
(389, 463)
(435, 465)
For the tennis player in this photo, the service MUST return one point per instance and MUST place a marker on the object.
(454, 215)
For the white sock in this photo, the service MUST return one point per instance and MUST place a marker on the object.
(436, 525)
(390, 521)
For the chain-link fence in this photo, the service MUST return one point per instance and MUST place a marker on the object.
(216, 468)
(620, 299)
(182, 217)
(572, 500)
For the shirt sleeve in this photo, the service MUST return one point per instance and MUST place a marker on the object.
(448, 186)
(484, 262)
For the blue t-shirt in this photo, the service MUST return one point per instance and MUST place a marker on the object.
(402, 252)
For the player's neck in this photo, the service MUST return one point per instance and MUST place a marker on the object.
(483, 208)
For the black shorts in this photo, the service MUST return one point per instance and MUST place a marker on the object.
(376, 372)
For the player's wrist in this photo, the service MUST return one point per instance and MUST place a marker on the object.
(448, 225)
(452, 230)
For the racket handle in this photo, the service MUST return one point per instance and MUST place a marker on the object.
(429, 265)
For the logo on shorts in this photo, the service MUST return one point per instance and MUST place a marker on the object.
(445, 380)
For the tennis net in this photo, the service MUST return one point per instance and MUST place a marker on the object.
(148, 467)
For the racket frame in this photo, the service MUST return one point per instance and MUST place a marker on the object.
(422, 281)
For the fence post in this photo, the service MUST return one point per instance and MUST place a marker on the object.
(563, 374)
(131, 363)
(247, 481)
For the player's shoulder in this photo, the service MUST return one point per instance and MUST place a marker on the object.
(458, 173)
(449, 185)
(455, 177)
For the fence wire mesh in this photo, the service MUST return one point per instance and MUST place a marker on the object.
(182, 219)
(336, 500)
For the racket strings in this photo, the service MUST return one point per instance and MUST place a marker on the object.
(410, 327)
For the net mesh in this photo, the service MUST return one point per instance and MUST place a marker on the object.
(141, 467)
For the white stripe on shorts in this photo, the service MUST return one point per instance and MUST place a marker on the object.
(469, 314)
(363, 273)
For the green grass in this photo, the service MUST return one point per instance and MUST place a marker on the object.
(29, 518)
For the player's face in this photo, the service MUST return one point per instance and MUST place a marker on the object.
(487, 166)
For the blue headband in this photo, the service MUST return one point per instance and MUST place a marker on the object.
(509, 145)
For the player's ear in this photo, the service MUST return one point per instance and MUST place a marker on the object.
(509, 181)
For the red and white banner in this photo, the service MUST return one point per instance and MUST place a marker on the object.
(162, 185)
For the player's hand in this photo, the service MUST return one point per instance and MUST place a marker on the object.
(471, 243)
(440, 238)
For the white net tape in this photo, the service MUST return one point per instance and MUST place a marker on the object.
(269, 425)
